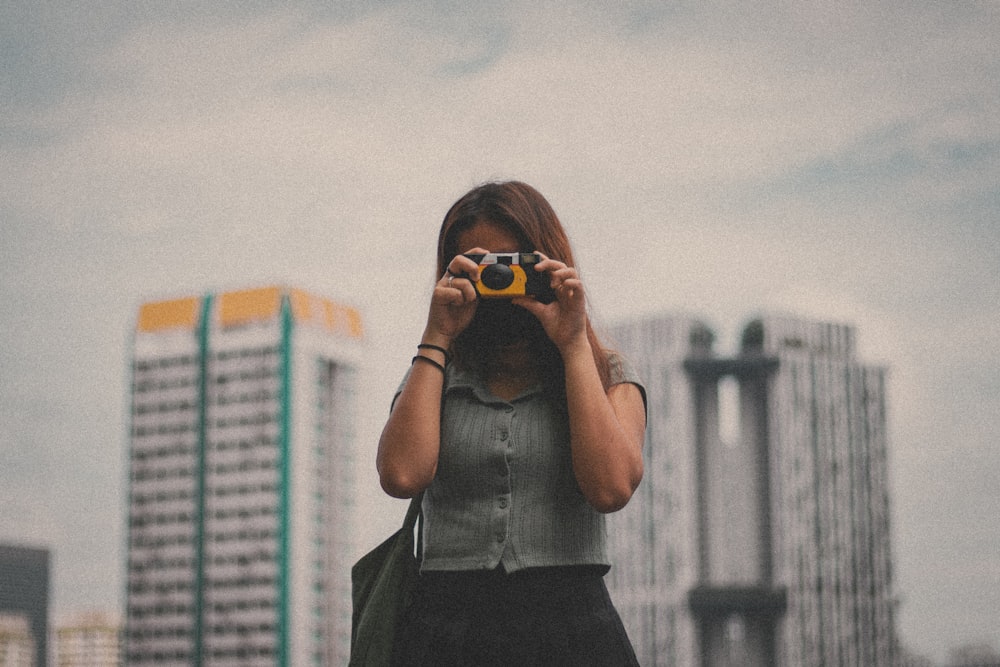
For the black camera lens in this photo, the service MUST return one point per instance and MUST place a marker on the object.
(497, 276)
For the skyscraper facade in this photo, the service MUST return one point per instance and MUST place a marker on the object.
(826, 433)
(241, 480)
(781, 524)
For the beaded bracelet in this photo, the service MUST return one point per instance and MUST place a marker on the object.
(428, 360)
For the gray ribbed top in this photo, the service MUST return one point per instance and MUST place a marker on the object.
(505, 492)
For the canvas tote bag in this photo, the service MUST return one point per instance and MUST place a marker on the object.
(381, 582)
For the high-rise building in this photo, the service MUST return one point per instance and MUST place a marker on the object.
(24, 594)
(781, 524)
(91, 639)
(242, 480)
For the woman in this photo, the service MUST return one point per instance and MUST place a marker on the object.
(522, 431)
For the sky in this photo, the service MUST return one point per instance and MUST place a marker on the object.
(723, 159)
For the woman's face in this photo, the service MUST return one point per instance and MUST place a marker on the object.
(498, 323)
(489, 237)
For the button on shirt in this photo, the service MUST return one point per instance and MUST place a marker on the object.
(505, 493)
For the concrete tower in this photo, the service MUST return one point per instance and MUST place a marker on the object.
(760, 534)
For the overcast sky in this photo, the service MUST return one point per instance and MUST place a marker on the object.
(831, 163)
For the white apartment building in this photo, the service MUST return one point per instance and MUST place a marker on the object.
(241, 480)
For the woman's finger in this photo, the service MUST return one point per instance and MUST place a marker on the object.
(460, 265)
(563, 274)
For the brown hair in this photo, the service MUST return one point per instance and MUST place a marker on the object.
(525, 213)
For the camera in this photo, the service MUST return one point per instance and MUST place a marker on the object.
(503, 275)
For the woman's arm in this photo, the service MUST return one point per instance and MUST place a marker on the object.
(411, 439)
(607, 428)
(606, 432)
(408, 449)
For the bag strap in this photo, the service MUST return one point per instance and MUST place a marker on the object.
(414, 515)
(413, 511)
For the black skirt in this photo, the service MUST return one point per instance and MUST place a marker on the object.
(540, 616)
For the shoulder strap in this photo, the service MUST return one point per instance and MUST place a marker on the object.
(415, 518)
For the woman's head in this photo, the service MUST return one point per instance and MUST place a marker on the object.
(516, 207)
(527, 216)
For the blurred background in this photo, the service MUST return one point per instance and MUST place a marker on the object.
(834, 163)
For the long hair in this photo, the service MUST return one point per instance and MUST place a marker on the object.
(528, 216)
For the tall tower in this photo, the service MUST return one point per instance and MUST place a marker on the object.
(241, 480)
(776, 532)
(737, 602)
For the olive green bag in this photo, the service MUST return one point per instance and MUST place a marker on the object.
(381, 584)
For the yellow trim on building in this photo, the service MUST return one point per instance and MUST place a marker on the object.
(317, 311)
(173, 314)
(302, 305)
(241, 307)
(245, 306)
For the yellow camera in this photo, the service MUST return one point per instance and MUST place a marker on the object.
(503, 275)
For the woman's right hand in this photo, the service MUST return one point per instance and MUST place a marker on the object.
(453, 303)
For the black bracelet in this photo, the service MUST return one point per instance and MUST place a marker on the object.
(428, 360)
(436, 348)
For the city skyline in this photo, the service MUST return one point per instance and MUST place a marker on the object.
(834, 163)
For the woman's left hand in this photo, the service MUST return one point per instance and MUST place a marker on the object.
(565, 319)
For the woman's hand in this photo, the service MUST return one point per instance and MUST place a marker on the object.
(565, 319)
(453, 303)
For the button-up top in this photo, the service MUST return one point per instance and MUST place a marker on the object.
(505, 492)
